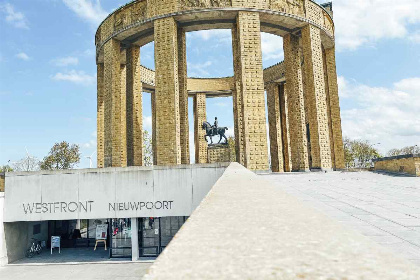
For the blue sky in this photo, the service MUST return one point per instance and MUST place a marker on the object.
(48, 72)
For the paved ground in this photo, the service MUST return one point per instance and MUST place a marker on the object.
(69, 255)
(382, 207)
(114, 271)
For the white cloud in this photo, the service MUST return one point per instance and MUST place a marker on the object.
(77, 77)
(199, 69)
(362, 22)
(17, 19)
(65, 61)
(222, 104)
(89, 10)
(90, 144)
(389, 116)
(272, 46)
(147, 123)
(223, 35)
(415, 37)
(23, 56)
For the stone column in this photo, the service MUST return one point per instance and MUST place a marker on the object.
(100, 116)
(123, 117)
(252, 90)
(168, 146)
(296, 109)
(334, 105)
(134, 239)
(112, 100)
(315, 93)
(199, 133)
(134, 108)
(275, 129)
(183, 97)
(327, 94)
(237, 101)
(284, 115)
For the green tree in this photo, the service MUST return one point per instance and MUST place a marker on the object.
(359, 153)
(147, 149)
(61, 156)
(6, 168)
(348, 153)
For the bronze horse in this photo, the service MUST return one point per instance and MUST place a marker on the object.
(210, 132)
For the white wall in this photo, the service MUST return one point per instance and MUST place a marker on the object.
(3, 249)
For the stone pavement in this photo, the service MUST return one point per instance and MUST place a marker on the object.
(384, 208)
(114, 271)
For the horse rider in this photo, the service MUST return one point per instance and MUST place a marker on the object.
(215, 126)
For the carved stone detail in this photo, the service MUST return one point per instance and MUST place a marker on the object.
(205, 3)
(294, 7)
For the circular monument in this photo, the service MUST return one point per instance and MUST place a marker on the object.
(302, 93)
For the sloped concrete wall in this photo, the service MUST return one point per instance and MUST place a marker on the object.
(108, 192)
(3, 249)
(247, 228)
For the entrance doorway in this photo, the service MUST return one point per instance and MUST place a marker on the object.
(120, 233)
(156, 233)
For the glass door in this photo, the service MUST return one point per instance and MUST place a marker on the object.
(156, 233)
(120, 238)
(169, 226)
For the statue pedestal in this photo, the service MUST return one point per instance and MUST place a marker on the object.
(218, 153)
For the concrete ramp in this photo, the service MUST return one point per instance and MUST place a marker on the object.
(247, 228)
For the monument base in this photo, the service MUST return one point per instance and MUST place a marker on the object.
(218, 153)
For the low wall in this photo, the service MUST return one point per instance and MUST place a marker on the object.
(248, 228)
(2, 182)
(405, 164)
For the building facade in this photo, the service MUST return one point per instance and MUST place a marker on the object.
(302, 92)
(141, 208)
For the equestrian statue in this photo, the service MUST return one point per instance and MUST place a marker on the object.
(213, 130)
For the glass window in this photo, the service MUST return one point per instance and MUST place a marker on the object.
(92, 227)
(121, 237)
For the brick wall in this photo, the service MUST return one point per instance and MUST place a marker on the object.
(2, 185)
(409, 165)
(218, 153)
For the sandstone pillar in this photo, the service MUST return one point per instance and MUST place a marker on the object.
(237, 101)
(100, 116)
(285, 127)
(134, 108)
(123, 117)
(334, 104)
(112, 100)
(275, 128)
(296, 109)
(167, 144)
(199, 133)
(183, 97)
(251, 90)
(315, 93)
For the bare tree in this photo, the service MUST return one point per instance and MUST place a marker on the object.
(28, 163)
(147, 149)
(404, 151)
